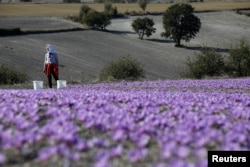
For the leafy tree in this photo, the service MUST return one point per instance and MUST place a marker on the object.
(107, 6)
(143, 27)
(83, 11)
(96, 19)
(180, 23)
(207, 63)
(143, 4)
(109, 10)
(239, 59)
(124, 68)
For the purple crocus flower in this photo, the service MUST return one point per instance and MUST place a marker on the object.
(47, 152)
(2, 158)
(136, 155)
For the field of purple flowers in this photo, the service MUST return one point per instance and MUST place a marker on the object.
(141, 124)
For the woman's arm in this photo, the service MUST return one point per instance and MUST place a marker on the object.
(56, 59)
(44, 64)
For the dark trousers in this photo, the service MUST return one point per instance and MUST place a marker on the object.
(50, 76)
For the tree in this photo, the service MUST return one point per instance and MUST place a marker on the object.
(239, 59)
(207, 63)
(180, 23)
(83, 11)
(96, 19)
(109, 10)
(143, 27)
(143, 4)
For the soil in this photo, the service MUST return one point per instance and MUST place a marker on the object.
(84, 53)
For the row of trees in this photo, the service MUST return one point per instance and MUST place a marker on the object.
(179, 21)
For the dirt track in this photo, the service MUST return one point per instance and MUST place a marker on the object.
(84, 53)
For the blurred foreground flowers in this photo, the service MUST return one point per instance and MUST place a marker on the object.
(160, 123)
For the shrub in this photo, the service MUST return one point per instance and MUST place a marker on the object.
(207, 63)
(96, 19)
(109, 10)
(143, 27)
(143, 4)
(124, 68)
(239, 60)
(10, 76)
(83, 11)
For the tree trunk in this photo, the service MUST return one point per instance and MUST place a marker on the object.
(239, 70)
(141, 34)
(178, 44)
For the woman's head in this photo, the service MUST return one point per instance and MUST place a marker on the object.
(50, 48)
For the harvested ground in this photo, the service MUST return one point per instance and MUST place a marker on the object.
(38, 23)
(84, 53)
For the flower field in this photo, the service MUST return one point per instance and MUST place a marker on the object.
(141, 124)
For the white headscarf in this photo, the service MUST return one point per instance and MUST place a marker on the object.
(50, 48)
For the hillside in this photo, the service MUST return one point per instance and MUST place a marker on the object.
(84, 53)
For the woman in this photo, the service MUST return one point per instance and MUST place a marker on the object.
(51, 64)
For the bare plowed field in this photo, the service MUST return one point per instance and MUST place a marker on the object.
(84, 53)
